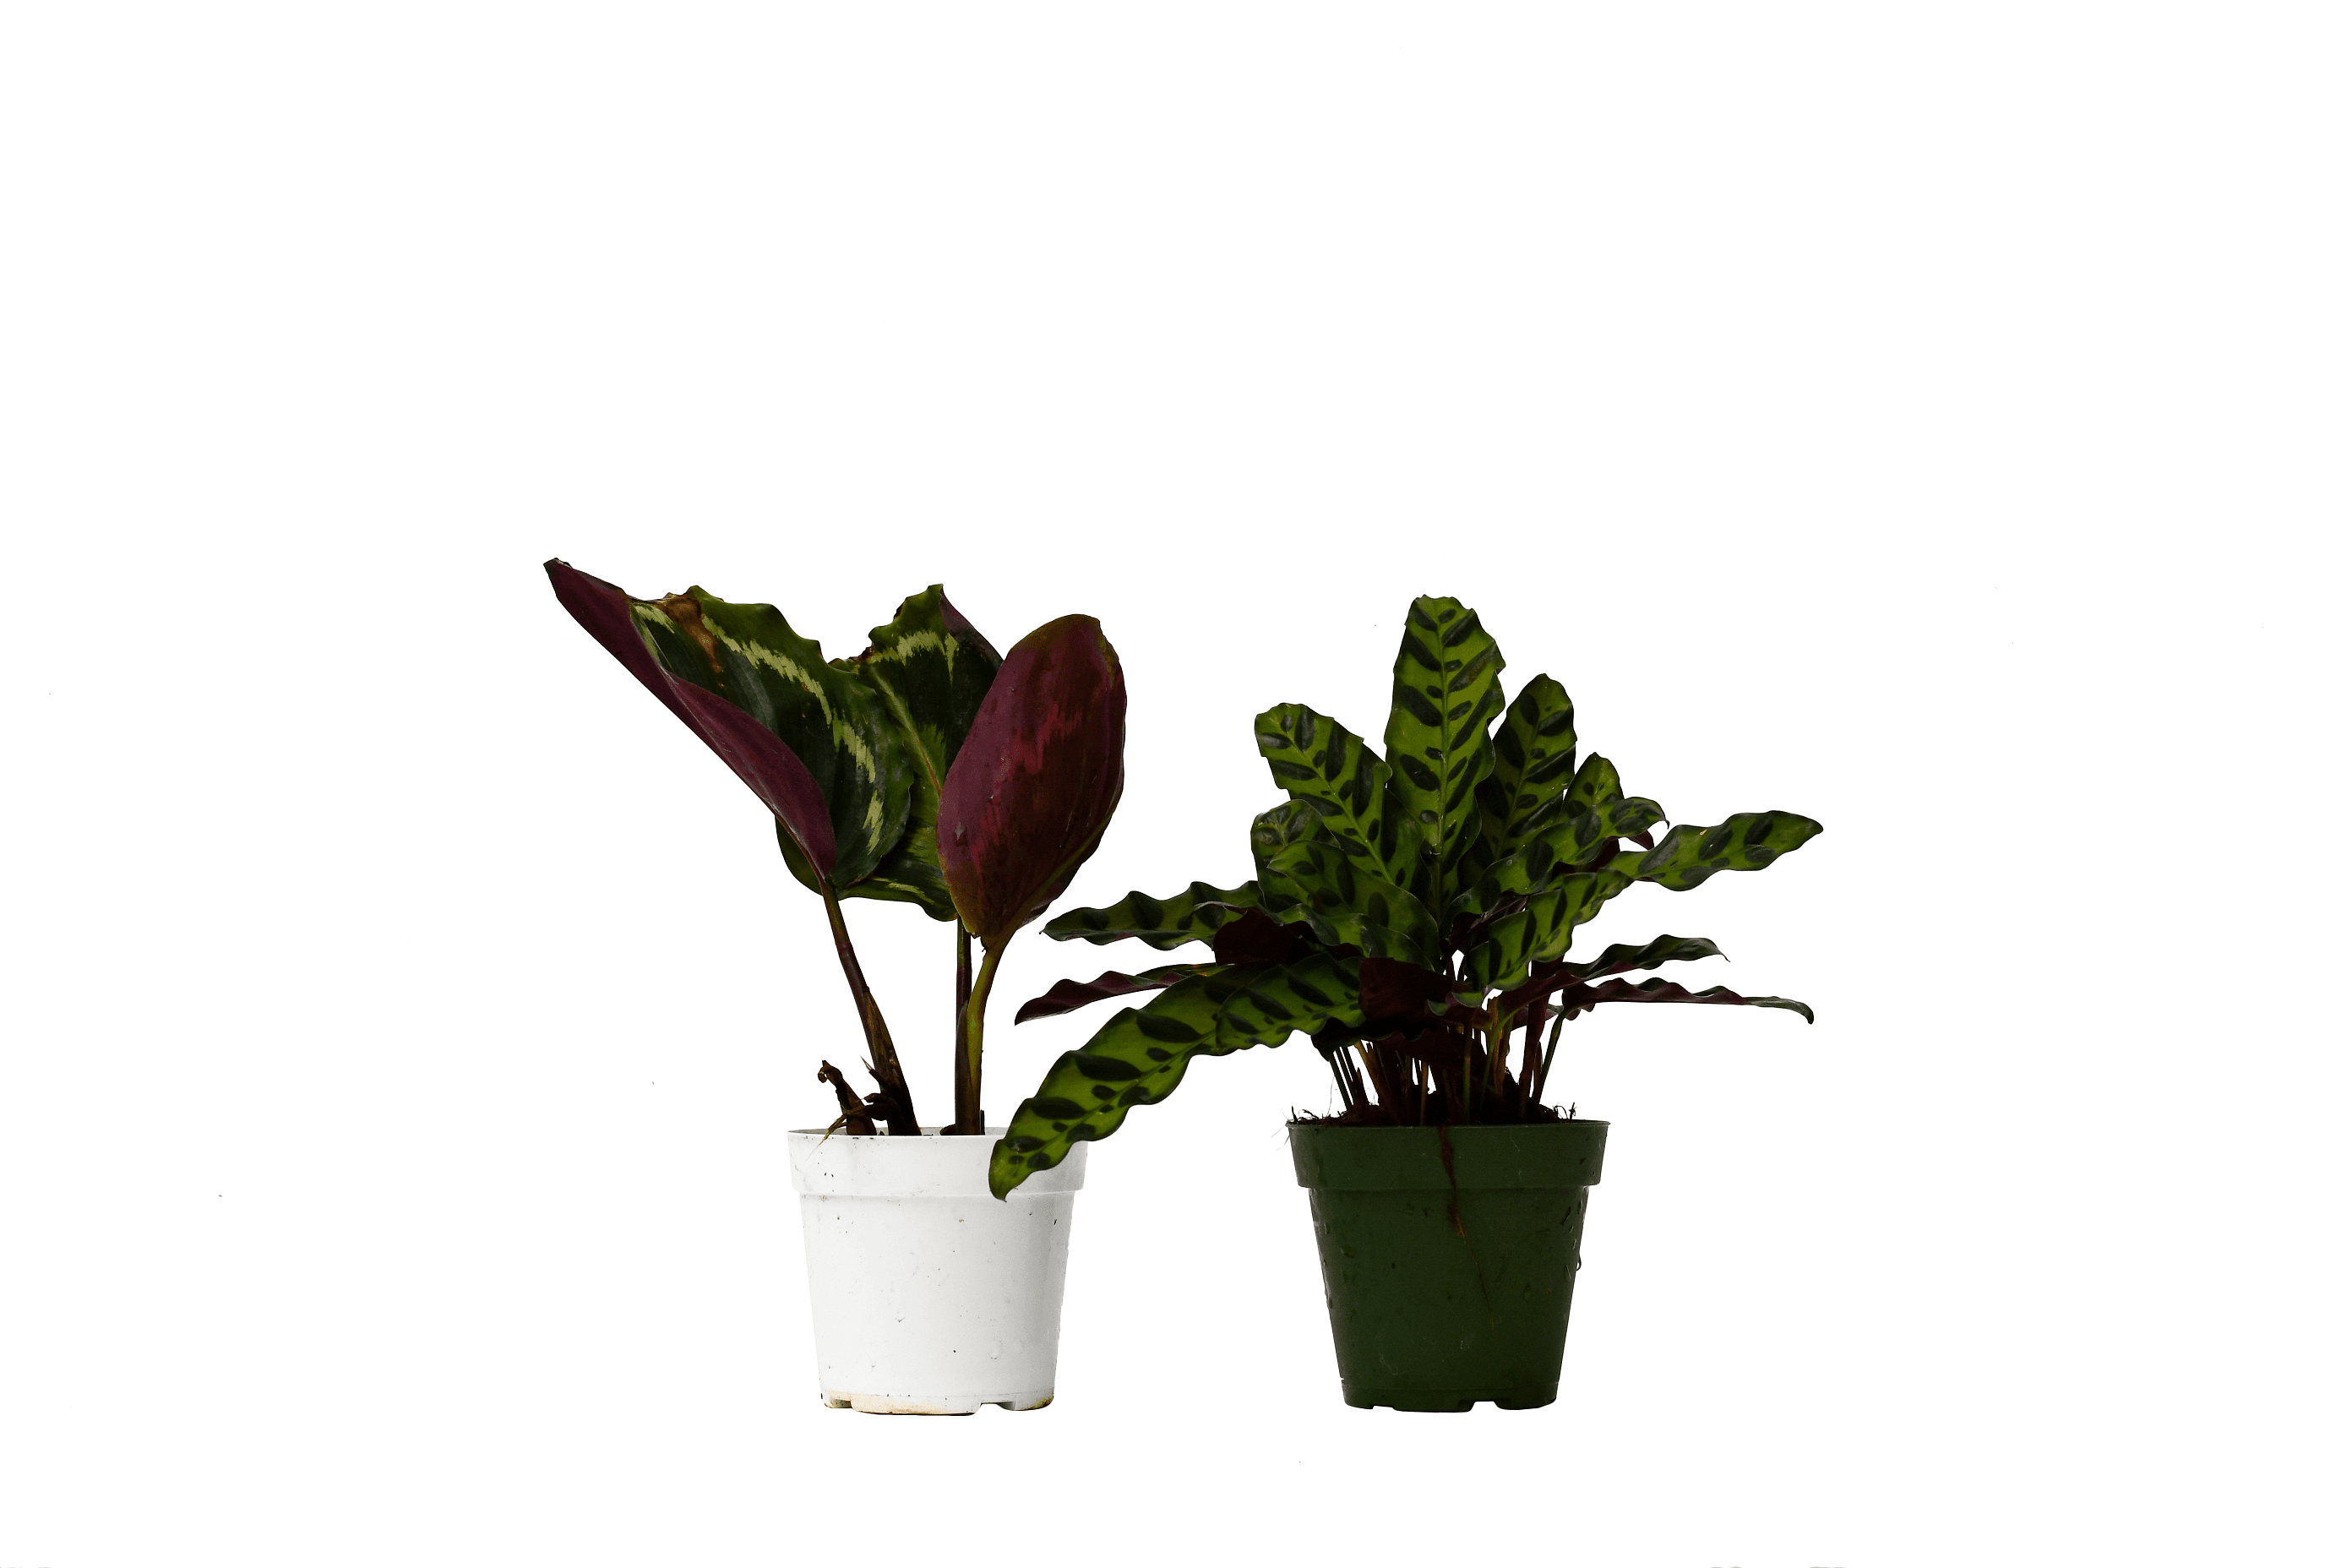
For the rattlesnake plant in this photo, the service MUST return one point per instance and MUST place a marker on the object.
(1411, 912)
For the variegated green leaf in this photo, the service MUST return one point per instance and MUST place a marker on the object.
(1688, 856)
(1552, 852)
(1139, 1055)
(1596, 789)
(1535, 753)
(1448, 689)
(1321, 762)
(1347, 904)
(1290, 823)
(1196, 914)
(903, 877)
(1510, 947)
(1617, 958)
(829, 718)
(930, 670)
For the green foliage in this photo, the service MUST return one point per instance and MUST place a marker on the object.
(1535, 750)
(1316, 882)
(1687, 856)
(1196, 914)
(1411, 912)
(1448, 689)
(928, 668)
(858, 760)
(828, 716)
(1140, 1057)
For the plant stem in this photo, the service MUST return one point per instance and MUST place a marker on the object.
(882, 1057)
(1543, 1075)
(1338, 1076)
(970, 1119)
(1530, 1056)
(962, 1020)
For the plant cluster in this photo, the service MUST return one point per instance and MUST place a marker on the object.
(928, 770)
(1412, 912)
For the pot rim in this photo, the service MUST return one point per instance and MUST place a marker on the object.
(1522, 1155)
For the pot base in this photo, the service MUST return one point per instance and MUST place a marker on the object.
(941, 1404)
(1450, 1401)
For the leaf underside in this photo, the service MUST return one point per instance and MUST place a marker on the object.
(1027, 798)
(1068, 995)
(1580, 997)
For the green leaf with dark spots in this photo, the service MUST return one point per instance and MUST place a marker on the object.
(1196, 914)
(1140, 1055)
(1596, 789)
(1292, 822)
(1347, 904)
(1512, 946)
(1322, 762)
(1686, 856)
(1617, 958)
(1535, 758)
(1553, 852)
(1447, 689)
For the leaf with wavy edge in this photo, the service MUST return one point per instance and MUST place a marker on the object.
(1617, 958)
(1347, 904)
(1292, 822)
(1069, 995)
(1596, 789)
(1557, 851)
(1447, 689)
(1535, 750)
(1686, 856)
(1515, 943)
(1139, 1055)
(1578, 998)
(1323, 763)
(1196, 914)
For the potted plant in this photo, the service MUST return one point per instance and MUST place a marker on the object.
(931, 771)
(1413, 914)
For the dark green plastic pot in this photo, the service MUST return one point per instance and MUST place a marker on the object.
(1449, 1256)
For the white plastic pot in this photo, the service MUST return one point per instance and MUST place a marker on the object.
(931, 1298)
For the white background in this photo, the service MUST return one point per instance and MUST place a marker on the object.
(1931, 419)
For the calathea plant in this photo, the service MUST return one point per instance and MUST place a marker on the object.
(928, 770)
(1412, 912)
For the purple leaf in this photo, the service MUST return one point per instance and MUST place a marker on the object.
(1037, 778)
(1581, 997)
(1068, 995)
(780, 779)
